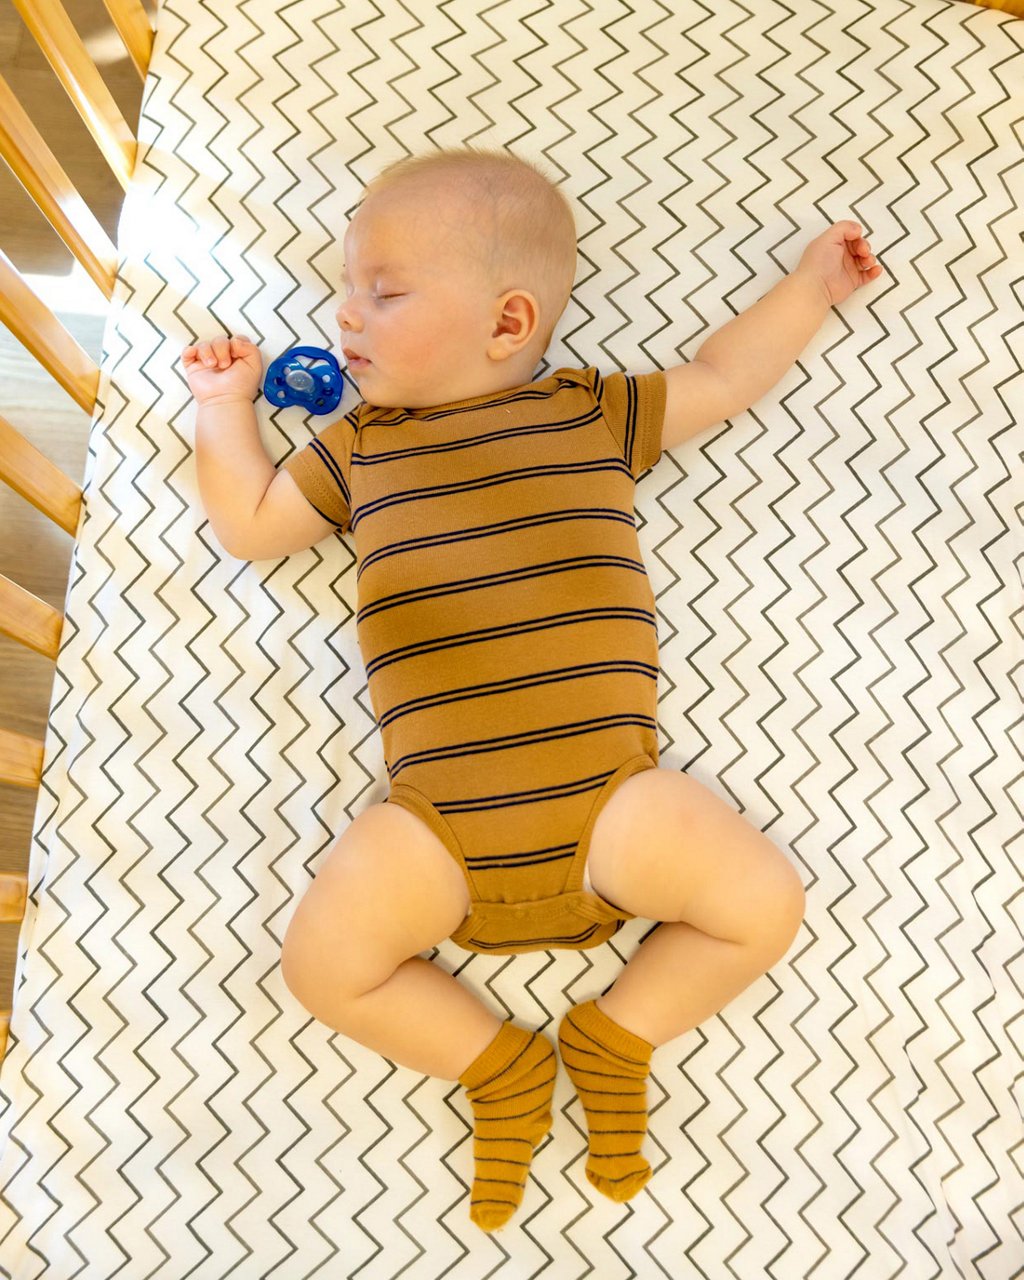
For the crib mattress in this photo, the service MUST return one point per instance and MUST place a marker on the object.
(838, 620)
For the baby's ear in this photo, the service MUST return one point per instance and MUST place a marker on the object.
(518, 318)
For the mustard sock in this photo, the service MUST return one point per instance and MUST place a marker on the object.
(609, 1067)
(510, 1087)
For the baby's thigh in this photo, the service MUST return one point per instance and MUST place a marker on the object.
(388, 890)
(665, 847)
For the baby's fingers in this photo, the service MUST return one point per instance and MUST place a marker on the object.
(859, 249)
(199, 353)
(866, 260)
(217, 353)
(220, 353)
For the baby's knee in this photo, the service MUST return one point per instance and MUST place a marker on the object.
(295, 966)
(318, 965)
(784, 909)
(301, 968)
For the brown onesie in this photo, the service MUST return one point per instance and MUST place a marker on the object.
(507, 627)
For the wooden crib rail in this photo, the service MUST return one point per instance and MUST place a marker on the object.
(13, 900)
(39, 172)
(34, 624)
(34, 477)
(36, 167)
(23, 616)
(133, 27)
(69, 58)
(28, 620)
(37, 328)
(21, 759)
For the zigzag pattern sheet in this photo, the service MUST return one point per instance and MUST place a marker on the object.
(836, 594)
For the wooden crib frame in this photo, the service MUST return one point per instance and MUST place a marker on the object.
(25, 618)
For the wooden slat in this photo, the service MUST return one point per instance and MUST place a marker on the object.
(38, 170)
(21, 759)
(5, 1028)
(132, 23)
(35, 325)
(13, 896)
(33, 476)
(29, 620)
(62, 45)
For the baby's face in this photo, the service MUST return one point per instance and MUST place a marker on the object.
(419, 310)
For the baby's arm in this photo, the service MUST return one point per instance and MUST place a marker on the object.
(747, 357)
(256, 511)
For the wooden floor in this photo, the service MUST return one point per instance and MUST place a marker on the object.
(34, 552)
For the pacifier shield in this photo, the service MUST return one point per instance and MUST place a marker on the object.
(307, 376)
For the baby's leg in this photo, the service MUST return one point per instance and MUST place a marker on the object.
(666, 848)
(387, 891)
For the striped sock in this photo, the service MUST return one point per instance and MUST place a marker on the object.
(609, 1067)
(510, 1087)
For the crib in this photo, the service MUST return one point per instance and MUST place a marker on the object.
(839, 613)
(23, 617)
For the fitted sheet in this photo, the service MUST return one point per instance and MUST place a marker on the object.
(839, 629)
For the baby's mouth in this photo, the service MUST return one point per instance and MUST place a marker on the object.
(354, 361)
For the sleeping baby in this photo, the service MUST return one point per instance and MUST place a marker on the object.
(508, 631)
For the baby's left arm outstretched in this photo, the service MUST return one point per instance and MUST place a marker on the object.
(747, 357)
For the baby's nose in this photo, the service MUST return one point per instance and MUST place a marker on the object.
(348, 317)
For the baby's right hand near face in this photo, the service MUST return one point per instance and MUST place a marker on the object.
(223, 370)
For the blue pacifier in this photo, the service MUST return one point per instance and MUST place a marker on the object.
(317, 385)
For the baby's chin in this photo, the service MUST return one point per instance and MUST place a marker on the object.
(363, 383)
(384, 393)
(380, 398)
(366, 380)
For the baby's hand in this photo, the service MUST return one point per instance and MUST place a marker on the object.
(223, 370)
(841, 260)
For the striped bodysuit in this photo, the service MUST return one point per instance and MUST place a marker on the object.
(507, 627)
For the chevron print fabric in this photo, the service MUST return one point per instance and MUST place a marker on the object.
(839, 637)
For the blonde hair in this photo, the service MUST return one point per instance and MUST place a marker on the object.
(525, 221)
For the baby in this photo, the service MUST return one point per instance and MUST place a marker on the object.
(507, 627)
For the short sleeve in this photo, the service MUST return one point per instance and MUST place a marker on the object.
(322, 470)
(633, 406)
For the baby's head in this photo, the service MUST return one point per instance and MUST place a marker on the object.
(458, 265)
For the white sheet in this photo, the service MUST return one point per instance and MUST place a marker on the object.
(837, 600)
